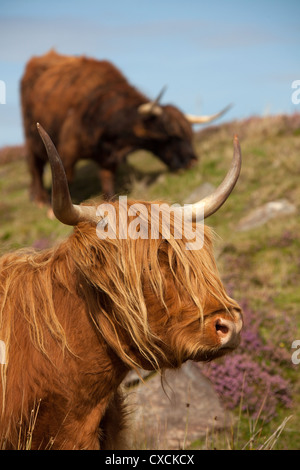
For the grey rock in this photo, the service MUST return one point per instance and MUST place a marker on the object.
(263, 214)
(173, 412)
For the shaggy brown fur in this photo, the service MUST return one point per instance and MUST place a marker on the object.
(76, 318)
(92, 112)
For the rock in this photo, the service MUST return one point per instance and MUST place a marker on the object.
(173, 412)
(202, 191)
(263, 214)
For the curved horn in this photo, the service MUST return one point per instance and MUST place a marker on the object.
(204, 119)
(63, 208)
(152, 107)
(210, 204)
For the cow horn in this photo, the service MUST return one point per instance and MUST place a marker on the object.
(204, 119)
(152, 107)
(64, 210)
(210, 204)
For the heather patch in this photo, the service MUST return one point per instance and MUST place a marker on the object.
(252, 378)
(242, 380)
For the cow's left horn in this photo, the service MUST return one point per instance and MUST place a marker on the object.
(64, 210)
(204, 119)
(210, 204)
(152, 107)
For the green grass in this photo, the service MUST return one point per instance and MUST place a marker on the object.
(261, 265)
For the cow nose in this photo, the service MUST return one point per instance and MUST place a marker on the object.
(228, 332)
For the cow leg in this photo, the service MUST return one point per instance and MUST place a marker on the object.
(107, 180)
(38, 192)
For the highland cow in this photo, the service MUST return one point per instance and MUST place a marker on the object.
(76, 318)
(92, 112)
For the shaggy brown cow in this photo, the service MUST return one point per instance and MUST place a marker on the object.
(77, 317)
(92, 112)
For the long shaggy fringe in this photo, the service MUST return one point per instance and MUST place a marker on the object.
(112, 276)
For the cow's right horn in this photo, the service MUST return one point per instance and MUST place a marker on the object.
(63, 208)
(205, 119)
(210, 204)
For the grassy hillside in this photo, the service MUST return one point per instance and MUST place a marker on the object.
(259, 266)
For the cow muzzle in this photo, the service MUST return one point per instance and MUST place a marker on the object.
(228, 330)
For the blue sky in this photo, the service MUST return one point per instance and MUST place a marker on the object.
(208, 53)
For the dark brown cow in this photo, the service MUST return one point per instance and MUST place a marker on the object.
(75, 319)
(92, 112)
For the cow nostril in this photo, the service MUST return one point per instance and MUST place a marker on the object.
(227, 332)
(221, 328)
